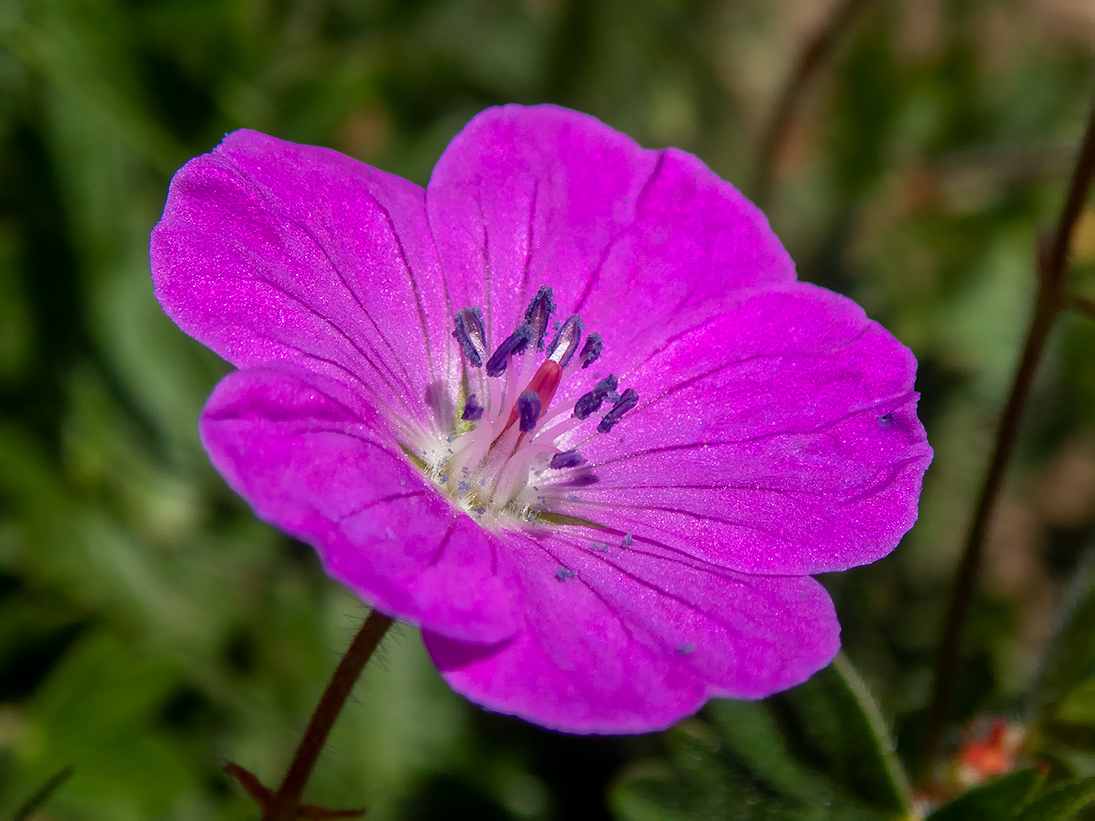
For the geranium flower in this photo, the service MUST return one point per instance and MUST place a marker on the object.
(566, 409)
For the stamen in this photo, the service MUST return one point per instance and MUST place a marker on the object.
(511, 433)
(590, 402)
(473, 411)
(515, 343)
(565, 343)
(628, 399)
(591, 350)
(471, 334)
(538, 314)
(566, 459)
(528, 410)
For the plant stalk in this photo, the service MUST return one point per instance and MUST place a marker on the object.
(1050, 299)
(285, 803)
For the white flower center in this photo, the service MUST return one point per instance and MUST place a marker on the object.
(508, 458)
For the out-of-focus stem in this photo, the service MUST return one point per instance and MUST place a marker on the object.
(42, 794)
(1051, 298)
(813, 58)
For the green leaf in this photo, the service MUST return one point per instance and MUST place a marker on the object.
(999, 799)
(819, 751)
(692, 785)
(1063, 696)
(843, 721)
(1069, 663)
(1015, 797)
(1078, 706)
(1062, 802)
(750, 730)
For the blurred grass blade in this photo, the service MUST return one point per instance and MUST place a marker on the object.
(43, 794)
(996, 801)
(71, 46)
(1060, 803)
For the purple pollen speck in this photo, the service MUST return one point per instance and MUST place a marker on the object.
(591, 350)
(628, 399)
(566, 459)
(528, 410)
(332, 289)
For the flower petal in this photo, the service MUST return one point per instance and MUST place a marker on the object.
(272, 250)
(632, 239)
(627, 639)
(779, 437)
(321, 466)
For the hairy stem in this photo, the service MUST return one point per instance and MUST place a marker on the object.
(286, 802)
(1050, 300)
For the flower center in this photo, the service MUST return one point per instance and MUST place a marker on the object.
(511, 452)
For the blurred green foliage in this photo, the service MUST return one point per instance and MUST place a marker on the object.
(151, 629)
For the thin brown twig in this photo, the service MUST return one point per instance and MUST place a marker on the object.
(1081, 305)
(814, 56)
(284, 805)
(1050, 300)
(287, 799)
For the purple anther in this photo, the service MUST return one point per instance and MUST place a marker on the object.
(565, 343)
(471, 335)
(512, 344)
(538, 314)
(473, 411)
(566, 459)
(590, 402)
(592, 349)
(628, 399)
(528, 410)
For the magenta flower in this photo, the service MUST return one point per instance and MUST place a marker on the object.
(566, 409)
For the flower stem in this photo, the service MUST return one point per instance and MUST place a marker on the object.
(813, 58)
(1050, 299)
(286, 802)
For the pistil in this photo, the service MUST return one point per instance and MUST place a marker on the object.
(543, 385)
